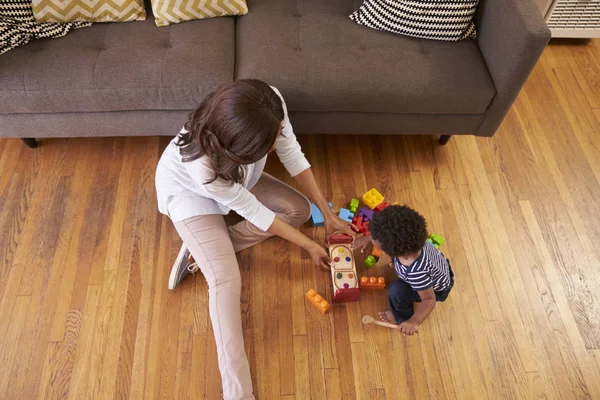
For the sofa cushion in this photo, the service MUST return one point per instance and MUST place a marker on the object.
(114, 67)
(323, 61)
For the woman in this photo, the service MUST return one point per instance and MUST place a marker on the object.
(215, 165)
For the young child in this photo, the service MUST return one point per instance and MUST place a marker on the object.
(425, 273)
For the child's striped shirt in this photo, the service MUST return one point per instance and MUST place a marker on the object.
(430, 269)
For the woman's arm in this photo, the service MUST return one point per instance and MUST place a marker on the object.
(306, 180)
(286, 231)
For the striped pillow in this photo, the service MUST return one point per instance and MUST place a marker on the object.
(89, 10)
(18, 26)
(450, 20)
(173, 11)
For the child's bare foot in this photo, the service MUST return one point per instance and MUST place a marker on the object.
(387, 316)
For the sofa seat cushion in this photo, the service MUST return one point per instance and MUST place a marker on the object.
(324, 62)
(119, 66)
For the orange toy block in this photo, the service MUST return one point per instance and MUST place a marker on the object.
(318, 301)
(372, 282)
(376, 253)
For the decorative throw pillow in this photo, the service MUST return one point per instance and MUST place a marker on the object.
(18, 26)
(173, 11)
(449, 20)
(89, 10)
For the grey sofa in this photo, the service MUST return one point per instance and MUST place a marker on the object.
(124, 79)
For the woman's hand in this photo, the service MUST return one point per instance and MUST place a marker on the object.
(361, 243)
(335, 224)
(319, 256)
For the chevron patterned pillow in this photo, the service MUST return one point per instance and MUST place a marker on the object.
(449, 20)
(89, 10)
(18, 27)
(173, 11)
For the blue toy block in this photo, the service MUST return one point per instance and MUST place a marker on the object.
(316, 216)
(331, 205)
(346, 215)
(367, 213)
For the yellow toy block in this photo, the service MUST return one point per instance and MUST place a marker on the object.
(372, 198)
(316, 299)
(372, 282)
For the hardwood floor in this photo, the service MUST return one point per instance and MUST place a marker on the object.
(85, 257)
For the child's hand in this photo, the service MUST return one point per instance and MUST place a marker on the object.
(408, 327)
(361, 243)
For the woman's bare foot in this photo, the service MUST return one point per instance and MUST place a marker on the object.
(387, 316)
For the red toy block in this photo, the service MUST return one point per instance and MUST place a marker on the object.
(377, 283)
(381, 207)
(340, 238)
(358, 223)
(318, 301)
(366, 226)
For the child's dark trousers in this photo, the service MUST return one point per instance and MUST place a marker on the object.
(401, 297)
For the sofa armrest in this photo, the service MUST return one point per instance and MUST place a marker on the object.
(511, 35)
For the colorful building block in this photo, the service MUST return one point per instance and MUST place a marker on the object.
(366, 213)
(340, 238)
(353, 205)
(381, 206)
(369, 261)
(358, 223)
(372, 198)
(376, 253)
(316, 216)
(366, 226)
(318, 301)
(346, 215)
(377, 283)
(437, 240)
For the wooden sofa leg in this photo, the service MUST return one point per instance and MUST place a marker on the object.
(444, 139)
(30, 142)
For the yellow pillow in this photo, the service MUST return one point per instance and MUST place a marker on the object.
(173, 11)
(88, 10)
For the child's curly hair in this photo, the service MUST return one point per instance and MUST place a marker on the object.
(399, 229)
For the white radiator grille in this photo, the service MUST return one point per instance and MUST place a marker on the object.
(575, 14)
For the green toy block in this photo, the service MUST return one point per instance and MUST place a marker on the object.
(436, 239)
(370, 261)
(353, 205)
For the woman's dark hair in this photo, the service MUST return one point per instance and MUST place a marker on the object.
(235, 125)
(399, 229)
